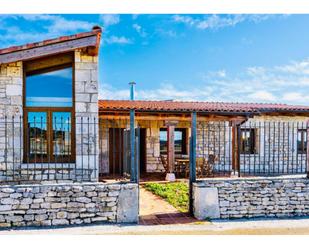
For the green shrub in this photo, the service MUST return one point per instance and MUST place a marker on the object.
(176, 193)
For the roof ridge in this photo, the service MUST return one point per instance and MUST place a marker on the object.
(95, 30)
(203, 102)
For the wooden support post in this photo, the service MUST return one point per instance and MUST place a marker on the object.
(170, 148)
(193, 149)
(235, 148)
(307, 149)
(192, 160)
(170, 175)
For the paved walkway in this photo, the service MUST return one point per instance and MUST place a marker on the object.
(245, 227)
(156, 211)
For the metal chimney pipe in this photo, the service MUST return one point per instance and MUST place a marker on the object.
(132, 88)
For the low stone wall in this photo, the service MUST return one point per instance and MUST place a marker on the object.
(255, 197)
(68, 204)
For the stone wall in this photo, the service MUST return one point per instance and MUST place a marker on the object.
(275, 139)
(214, 139)
(86, 125)
(67, 204)
(153, 159)
(11, 111)
(276, 142)
(86, 110)
(247, 198)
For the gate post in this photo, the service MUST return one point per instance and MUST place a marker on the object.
(132, 137)
(192, 171)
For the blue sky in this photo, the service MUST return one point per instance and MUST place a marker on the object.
(234, 58)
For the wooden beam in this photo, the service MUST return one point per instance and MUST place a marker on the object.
(51, 49)
(170, 148)
(172, 117)
(236, 147)
(50, 61)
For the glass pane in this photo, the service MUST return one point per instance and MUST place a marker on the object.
(163, 141)
(178, 141)
(37, 133)
(52, 89)
(61, 134)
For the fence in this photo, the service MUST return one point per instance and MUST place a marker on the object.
(41, 149)
(251, 149)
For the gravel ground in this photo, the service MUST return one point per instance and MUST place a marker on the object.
(278, 226)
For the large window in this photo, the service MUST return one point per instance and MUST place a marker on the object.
(179, 140)
(247, 141)
(48, 109)
(301, 141)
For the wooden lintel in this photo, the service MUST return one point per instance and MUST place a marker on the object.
(51, 49)
(171, 123)
(50, 61)
(170, 118)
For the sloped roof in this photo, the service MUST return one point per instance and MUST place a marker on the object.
(52, 46)
(211, 107)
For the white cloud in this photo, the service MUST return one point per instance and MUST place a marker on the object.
(253, 84)
(110, 19)
(218, 21)
(139, 30)
(52, 26)
(300, 67)
(118, 40)
(166, 32)
(262, 96)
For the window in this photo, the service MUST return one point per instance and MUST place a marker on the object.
(301, 141)
(179, 141)
(48, 108)
(247, 141)
(50, 89)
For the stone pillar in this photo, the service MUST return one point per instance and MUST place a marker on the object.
(170, 175)
(11, 89)
(86, 107)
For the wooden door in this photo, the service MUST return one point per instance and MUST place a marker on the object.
(116, 151)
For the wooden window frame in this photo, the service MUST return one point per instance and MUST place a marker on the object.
(50, 110)
(183, 144)
(253, 145)
(303, 149)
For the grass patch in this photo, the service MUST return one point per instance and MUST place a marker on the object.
(175, 193)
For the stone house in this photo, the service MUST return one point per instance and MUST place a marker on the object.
(49, 108)
(52, 125)
(253, 139)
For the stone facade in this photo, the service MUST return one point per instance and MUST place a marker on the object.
(275, 143)
(67, 204)
(86, 125)
(153, 159)
(11, 111)
(86, 111)
(11, 85)
(275, 150)
(247, 198)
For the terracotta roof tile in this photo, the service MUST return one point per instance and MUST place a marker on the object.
(95, 31)
(183, 106)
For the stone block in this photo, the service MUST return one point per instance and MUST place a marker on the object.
(127, 211)
(59, 222)
(206, 203)
(14, 90)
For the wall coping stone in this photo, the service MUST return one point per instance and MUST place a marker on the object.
(127, 185)
(243, 179)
